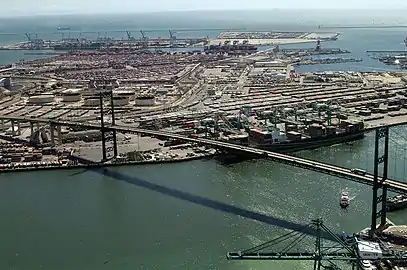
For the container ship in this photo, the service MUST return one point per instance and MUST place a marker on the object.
(296, 138)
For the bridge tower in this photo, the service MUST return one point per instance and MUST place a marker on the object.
(105, 130)
(380, 159)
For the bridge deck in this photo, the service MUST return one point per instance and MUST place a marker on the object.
(338, 171)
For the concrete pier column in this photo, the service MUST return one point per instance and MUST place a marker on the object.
(13, 131)
(59, 135)
(32, 128)
(18, 129)
(52, 132)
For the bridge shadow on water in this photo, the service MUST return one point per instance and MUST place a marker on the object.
(231, 159)
(216, 205)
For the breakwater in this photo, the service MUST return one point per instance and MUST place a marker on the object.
(326, 61)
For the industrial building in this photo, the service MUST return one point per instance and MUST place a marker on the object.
(5, 82)
(161, 91)
(71, 95)
(145, 100)
(91, 101)
(129, 94)
(41, 99)
(107, 84)
(120, 101)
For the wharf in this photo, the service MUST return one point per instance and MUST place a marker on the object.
(392, 237)
(263, 42)
(43, 53)
(397, 202)
(328, 61)
(312, 51)
(385, 51)
(372, 123)
(363, 27)
(105, 165)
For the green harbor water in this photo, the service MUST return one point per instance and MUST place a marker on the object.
(150, 217)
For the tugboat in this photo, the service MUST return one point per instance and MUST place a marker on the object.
(344, 202)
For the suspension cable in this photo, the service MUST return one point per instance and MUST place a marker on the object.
(276, 240)
(295, 242)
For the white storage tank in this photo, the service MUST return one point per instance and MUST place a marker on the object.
(91, 101)
(145, 101)
(41, 99)
(71, 95)
(120, 101)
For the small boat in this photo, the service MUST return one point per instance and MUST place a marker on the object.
(344, 202)
(348, 238)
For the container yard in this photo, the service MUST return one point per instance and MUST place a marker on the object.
(231, 92)
(20, 155)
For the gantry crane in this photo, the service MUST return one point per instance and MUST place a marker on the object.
(129, 36)
(324, 256)
(227, 125)
(144, 39)
(172, 38)
(34, 43)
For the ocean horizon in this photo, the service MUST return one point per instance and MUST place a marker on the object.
(157, 24)
(249, 18)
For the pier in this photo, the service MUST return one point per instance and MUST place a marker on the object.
(171, 40)
(397, 202)
(384, 51)
(362, 27)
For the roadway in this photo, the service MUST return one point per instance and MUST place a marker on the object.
(334, 170)
(6, 69)
(346, 173)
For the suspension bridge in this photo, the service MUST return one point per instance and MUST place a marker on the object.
(346, 173)
(379, 179)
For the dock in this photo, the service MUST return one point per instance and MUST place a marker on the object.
(384, 51)
(363, 27)
(397, 202)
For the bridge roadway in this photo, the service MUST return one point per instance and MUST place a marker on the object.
(6, 69)
(393, 185)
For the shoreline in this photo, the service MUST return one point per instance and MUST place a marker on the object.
(104, 165)
(265, 42)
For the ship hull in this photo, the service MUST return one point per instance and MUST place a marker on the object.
(344, 205)
(308, 144)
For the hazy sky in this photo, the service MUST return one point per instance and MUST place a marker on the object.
(30, 7)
